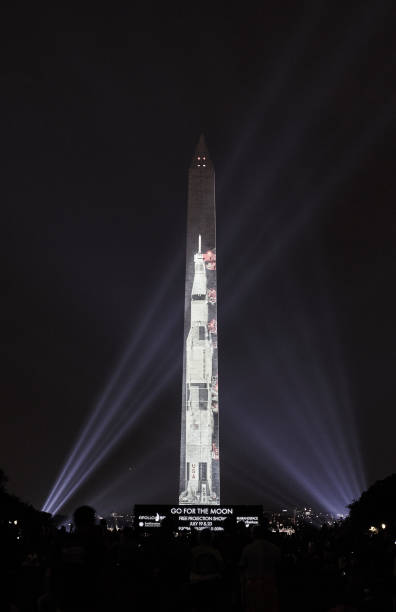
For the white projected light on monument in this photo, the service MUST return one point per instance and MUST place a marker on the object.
(199, 457)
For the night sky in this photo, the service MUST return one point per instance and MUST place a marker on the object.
(100, 115)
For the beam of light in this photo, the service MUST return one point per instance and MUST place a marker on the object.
(108, 412)
(322, 420)
(315, 489)
(348, 163)
(141, 354)
(102, 454)
(350, 472)
(303, 402)
(139, 334)
(116, 415)
(317, 445)
(343, 398)
(119, 411)
(272, 89)
(125, 418)
(302, 115)
(323, 496)
(262, 482)
(346, 482)
(340, 452)
(315, 458)
(331, 389)
(312, 476)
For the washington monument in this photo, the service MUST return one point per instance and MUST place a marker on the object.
(199, 453)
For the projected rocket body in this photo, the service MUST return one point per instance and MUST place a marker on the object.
(199, 464)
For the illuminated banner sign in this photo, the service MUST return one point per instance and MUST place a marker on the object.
(196, 517)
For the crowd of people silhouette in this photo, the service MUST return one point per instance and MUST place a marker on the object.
(90, 568)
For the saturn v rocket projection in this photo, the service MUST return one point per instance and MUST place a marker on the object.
(199, 456)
